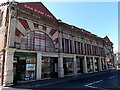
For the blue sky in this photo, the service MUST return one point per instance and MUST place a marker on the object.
(100, 18)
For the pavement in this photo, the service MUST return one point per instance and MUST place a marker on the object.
(56, 81)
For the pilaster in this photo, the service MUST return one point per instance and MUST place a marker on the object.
(8, 68)
(60, 66)
(85, 65)
(75, 65)
(39, 66)
(93, 64)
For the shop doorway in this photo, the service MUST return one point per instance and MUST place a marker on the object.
(49, 67)
(80, 64)
(68, 66)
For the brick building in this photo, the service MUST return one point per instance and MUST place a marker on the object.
(35, 45)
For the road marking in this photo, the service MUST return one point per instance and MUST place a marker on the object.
(89, 85)
(112, 77)
(3, 87)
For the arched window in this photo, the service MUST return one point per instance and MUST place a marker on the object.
(38, 41)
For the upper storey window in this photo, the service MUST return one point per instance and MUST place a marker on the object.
(1, 17)
(37, 41)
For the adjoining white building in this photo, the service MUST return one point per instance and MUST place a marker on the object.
(35, 45)
(117, 59)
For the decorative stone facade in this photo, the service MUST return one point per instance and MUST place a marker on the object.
(35, 45)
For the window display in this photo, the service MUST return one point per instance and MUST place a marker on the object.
(68, 66)
(49, 67)
(90, 64)
(96, 64)
(103, 64)
(79, 61)
(26, 68)
(45, 67)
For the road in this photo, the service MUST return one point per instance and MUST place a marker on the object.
(104, 81)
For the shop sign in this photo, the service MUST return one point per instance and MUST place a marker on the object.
(30, 67)
(38, 9)
(49, 55)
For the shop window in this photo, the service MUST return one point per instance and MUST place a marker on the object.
(49, 67)
(96, 64)
(79, 64)
(90, 64)
(38, 41)
(68, 66)
(45, 67)
(26, 68)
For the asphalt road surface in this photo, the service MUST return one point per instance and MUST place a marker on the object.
(106, 81)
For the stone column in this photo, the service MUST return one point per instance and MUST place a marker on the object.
(85, 65)
(75, 65)
(93, 64)
(8, 68)
(11, 28)
(60, 66)
(106, 65)
(99, 64)
(39, 66)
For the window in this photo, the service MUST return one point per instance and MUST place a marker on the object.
(81, 48)
(63, 44)
(66, 46)
(38, 41)
(75, 46)
(85, 48)
(1, 17)
(78, 47)
(70, 46)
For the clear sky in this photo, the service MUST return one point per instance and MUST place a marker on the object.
(100, 18)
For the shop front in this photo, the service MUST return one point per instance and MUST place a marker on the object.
(110, 63)
(96, 64)
(90, 67)
(24, 67)
(68, 66)
(49, 67)
(79, 61)
(103, 63)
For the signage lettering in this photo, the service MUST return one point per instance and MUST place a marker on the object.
(38, 11)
